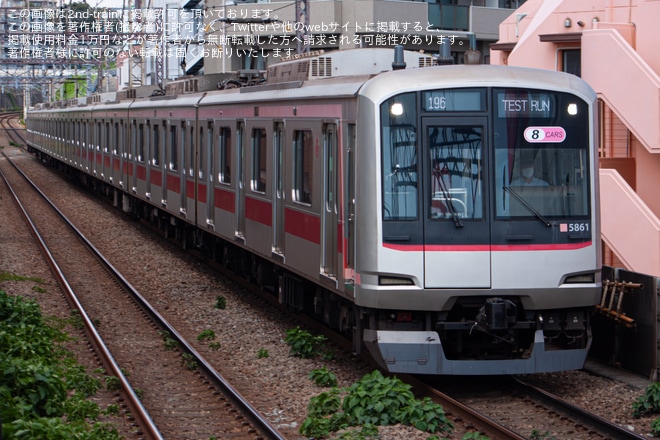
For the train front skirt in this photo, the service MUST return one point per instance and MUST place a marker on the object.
(421, 352)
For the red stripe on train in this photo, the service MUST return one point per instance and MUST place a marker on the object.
(173, 183)
(156, 177)
(201, 192)
(303, 225)
(258, 210)
(225, 200)
(486, 247)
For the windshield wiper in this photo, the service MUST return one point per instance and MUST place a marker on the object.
(526, 204)
(454, 214)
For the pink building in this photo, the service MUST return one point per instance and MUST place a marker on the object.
(613, 45)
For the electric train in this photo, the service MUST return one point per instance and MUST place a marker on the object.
(444, 217)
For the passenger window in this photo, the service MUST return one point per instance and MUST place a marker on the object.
(117, 140)
(191, 153)
(224, 156)
(211, 150)
(174, 150)
(106, 144)
(140, 151)
(302, 167)
(183, 146)
(259, 160)
(155, 146)
(98, 136)
(201, 162)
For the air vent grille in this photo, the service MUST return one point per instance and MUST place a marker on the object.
(321, 67)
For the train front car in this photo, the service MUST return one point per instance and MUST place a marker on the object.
(478, 241)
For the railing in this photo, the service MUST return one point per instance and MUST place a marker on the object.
(630, 87)
(628, 226)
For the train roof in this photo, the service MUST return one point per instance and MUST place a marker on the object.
(349, 62)
(369, 76)
(485, 75)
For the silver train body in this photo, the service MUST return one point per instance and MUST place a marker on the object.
(398, 207)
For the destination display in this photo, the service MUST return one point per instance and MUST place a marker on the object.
(515, 104)
(455, 100)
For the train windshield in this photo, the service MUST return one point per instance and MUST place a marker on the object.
(519, 153)
(541, 162)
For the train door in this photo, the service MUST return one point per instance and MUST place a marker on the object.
(98, 159)
(132, 157)
(141, 158)
(200, 176)
(209, 169)
(185, 146)
(106, 166)
(192, 179)
(240, 182)
(155, 164)
(455, 203)
(121, 154)
(128, 155)
(116, 150)
(162, 145)
(86, 145)
(278, 193)
(330, 218)
(172, 186)
(349, 201)
(147, 159)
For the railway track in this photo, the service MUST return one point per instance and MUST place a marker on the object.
(9, 124)
(180, 394)
(510, 408)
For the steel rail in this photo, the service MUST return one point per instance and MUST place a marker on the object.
(485, 424)
(256, 418)
(142, 415)
(587, 418)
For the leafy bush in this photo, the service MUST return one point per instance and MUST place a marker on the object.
(82, 382)
(206, 335)
(220, 302)
(262, 353)
(303, 343)
(655, 428)
(42, 390)
(374, 400)
(168, 340)
(323, 377)
(112, 383)
(474, 436)
(649, 403)
(188, 360)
